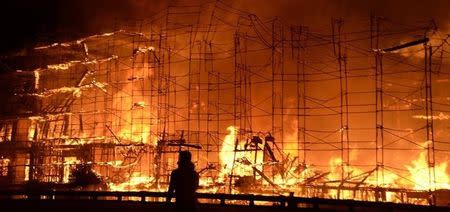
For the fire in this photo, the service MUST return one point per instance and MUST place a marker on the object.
(293, 176)
(76, 91)
(226, 154)
(136, 182)
(420, 175)
(137, 133)
(37, 77)
(32, 129)
(4, 163)
(157, 92)
(440, 117)
(133, 126)
(335, 170)
(62, 66)
(237, 163)
(356, 175)
(69, 162)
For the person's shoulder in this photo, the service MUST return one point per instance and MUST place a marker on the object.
(175, 172)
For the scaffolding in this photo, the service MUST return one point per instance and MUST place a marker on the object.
(331, 113)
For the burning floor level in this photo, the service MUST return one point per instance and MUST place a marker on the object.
(242, 171)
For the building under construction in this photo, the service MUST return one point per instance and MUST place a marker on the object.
(358, 110)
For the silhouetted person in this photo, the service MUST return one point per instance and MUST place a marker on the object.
(184, 182)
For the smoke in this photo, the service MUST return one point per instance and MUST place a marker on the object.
(319, 12)
(27, 22)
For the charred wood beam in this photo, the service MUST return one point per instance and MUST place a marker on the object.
(365, 177)
(114, 135)
(406, 45)
(315, 177)
(268, 151)
(185, 145)
(265, 177)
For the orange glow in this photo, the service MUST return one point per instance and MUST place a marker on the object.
(421, 177)
(136, 182)
(226, 154)
(136, 134)
(32, 129)
(264, 107)
(4, 163)
(69, 162)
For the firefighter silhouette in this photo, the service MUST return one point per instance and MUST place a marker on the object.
(184, 183)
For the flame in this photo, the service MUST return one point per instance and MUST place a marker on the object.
(355, 174)
(75, 90)
(440, 117)
(37, 77)
(226, 154)
(61, 66)
(133, 126)
(69, 162)
(420, 175)
(291, 177)
(335, 170)
(290, 144)
(136, 182)
(234, 162)
(32, 129)
(4, 163)
(137, 133)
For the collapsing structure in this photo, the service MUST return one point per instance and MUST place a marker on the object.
(264, 107)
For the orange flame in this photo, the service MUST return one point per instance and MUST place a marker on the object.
(421, 176)
(226, 154)
(136, 182)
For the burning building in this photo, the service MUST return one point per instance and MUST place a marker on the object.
(264, 107)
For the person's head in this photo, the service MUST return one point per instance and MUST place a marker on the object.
(184, 158)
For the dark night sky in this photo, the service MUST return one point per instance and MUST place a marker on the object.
(24, 22)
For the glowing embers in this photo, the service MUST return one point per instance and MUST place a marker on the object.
(61, 66)
(76, 91)
(5, 131)
(41, 78)
(440, 117)
(4, 164)
(145, 49)
(37, 77)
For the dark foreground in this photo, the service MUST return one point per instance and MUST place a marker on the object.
(109, 206)
(152, 202)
